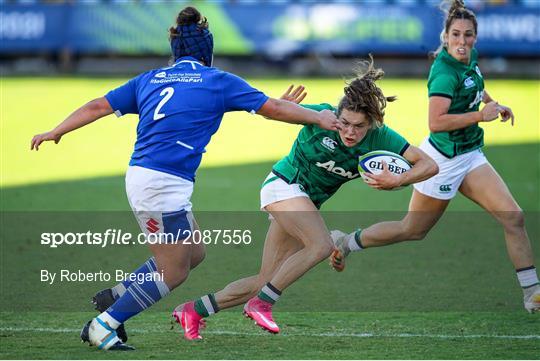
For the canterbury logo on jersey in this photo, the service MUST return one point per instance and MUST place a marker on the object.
(445, 188)
(469, 82)
(329, 143)
(331, 167)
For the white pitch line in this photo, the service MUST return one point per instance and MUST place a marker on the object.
(292, 334)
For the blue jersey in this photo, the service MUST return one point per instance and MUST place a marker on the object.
(180, 108)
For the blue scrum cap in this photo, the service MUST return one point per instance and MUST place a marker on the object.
(193, 40)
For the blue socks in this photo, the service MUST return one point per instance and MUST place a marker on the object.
(139, 296)
(147, 267)
(133, 297)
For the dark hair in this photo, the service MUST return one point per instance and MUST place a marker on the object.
(362, 95)
(191, 36)
(188, 16)
(456, 11)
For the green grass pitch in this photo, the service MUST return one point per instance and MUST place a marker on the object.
(451, 296)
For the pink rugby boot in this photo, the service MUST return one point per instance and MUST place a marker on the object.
(261, 312)
(190, 320)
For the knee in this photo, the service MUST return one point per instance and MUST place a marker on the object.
(514, 219)
(415, 233)
(415, 227)
(174, 278)
(197, 260)
(322, 250)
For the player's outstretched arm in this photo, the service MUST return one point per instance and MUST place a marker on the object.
(289, 112)
(441, 121)
(86, 114)
(423, 168)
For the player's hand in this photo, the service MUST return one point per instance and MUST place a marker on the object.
(296, 95)
(490, 111)
(327, 120)
(385, 180)
(44, 137)
(506, 113)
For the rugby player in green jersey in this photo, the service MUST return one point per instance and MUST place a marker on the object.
(456, 89)
(319, 163)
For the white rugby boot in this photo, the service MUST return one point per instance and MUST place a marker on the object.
(98, 333)
(531, 299)
(342, 250)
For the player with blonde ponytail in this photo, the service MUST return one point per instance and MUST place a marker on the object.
(456, 89)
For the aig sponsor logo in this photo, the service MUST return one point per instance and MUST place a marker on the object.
(331, 167)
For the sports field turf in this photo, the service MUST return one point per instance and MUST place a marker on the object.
(452, 296)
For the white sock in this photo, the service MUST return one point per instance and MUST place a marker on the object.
(105, 317)
(118, 290)
(527, 277)
(353, 243)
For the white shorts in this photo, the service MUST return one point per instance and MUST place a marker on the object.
(160, 201)
(452, 171)
(275, 189)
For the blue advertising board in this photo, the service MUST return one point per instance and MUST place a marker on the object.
(275, 29)
(33, 28)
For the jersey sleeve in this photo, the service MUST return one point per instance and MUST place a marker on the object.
(239, 95)
(390, 140)
(442, 83)
(123, 100)
(318, 107)
(310, 128)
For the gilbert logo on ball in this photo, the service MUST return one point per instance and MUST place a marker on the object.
(372, 162)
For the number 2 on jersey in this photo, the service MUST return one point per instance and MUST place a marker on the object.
(168, 92)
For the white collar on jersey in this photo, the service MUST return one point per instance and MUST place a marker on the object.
(188, 59)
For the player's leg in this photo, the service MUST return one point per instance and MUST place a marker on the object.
(173, 262)
(302, 220)
(149, 192)
(278, 246)
(105, 298)
(424, 212)
(429, 200)
(484, 186)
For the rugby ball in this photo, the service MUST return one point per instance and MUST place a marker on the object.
(372, 163)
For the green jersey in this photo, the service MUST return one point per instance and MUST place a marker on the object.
(464, 85)
(321, 163)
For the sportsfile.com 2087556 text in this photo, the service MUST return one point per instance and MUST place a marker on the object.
(112, 237)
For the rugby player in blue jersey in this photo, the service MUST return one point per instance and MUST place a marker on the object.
(180, 107)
